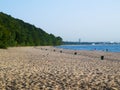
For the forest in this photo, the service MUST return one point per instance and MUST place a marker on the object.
(16, 32)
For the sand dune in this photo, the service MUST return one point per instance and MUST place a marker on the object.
(49, 68)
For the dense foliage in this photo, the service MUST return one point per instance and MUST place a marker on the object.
(15, 32)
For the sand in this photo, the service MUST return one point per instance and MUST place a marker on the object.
(49, 68)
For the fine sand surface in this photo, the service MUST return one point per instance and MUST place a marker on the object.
(48, 68)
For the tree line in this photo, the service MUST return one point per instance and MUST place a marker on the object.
(15, 32)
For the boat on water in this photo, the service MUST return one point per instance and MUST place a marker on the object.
(93, 43)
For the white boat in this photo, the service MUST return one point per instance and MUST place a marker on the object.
(93, 43)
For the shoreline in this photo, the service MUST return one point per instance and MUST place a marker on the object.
(104, 48)
(50, 68)
(91, 53)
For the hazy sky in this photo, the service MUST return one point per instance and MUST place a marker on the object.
(90, 20)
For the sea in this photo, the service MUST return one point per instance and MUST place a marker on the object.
(101, 47)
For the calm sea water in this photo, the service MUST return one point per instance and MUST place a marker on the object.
(109, 48)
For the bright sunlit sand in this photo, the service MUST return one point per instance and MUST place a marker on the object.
(48, 68)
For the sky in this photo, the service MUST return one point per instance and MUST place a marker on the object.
(88, 20)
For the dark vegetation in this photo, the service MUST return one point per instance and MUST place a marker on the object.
(15, 32)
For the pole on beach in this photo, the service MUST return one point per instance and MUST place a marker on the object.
(75, 53)
(60, 51)
(102, 57)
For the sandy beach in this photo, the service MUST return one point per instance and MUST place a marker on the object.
(49, 68)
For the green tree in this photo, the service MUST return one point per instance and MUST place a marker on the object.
(15, 32)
